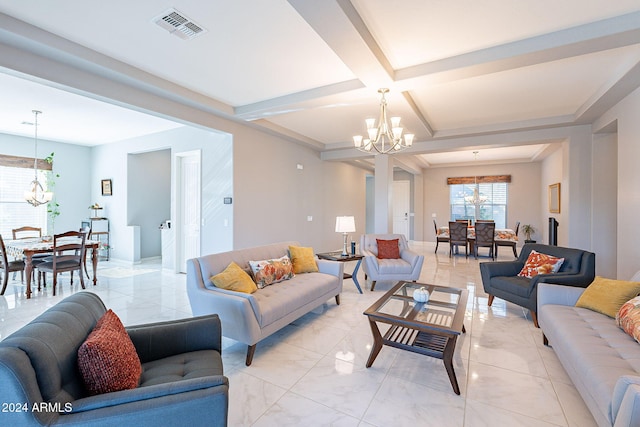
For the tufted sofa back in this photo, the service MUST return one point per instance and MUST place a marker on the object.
(573, 258)
(46, 350)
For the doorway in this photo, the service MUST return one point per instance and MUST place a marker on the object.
(401, 202)
(188, 207)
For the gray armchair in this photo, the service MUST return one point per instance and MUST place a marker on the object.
(500, 279)
(182, 380)
(407, 267)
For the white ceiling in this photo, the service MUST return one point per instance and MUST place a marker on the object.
(310, 70)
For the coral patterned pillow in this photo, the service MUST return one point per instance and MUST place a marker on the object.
(107, 359)
(388, 249)
(628, 318)
(538, 263)
(270, 271)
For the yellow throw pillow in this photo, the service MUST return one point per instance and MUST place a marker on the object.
(303, 259)
(606, 296)
(234, 278)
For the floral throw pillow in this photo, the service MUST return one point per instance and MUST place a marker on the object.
(269, 271)
(538, 263)
(628, 318)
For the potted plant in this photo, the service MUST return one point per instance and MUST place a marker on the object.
(53, 208)
(528, 230)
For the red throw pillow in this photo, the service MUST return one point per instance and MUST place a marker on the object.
(108, 360)
(388, 249)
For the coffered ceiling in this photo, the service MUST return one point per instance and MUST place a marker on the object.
(467, 75)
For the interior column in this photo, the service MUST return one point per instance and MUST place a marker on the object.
(383, 181)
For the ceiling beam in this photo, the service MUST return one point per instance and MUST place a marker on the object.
(340, 26)
(584, 39)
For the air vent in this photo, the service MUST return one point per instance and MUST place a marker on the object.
(178, 24)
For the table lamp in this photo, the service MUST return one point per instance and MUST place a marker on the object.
(345, 225)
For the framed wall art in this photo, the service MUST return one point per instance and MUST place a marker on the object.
(107, 190)
(554, 198)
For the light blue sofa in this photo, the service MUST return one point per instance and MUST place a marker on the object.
(601, 359)
(249, 318)
(181, 385)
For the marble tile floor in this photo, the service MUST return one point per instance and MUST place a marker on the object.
(312, 372)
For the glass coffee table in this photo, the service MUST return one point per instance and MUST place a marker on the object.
(430, 328)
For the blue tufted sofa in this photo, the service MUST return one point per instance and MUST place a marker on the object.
(182, 379)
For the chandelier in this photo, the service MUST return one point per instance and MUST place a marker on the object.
(476, 199)
(36, 195)
(386, 137)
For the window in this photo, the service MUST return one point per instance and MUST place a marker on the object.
(14, 211)
(494, 207)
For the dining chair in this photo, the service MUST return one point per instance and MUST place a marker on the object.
(28, 232)
(458, 236)
(67, 256)
(439, 237)
(511, 243)
(485, 237)
(8, 266)
(87, 231)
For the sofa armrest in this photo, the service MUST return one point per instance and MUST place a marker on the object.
(500, 268)
(141, 394)
(411, 257)
(566, 279)
(334, 268)
(549, 293)
(163, 339)
(628, 413)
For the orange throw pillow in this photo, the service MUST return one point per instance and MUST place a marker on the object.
(538, 263)
(388, 249)
(108, 360)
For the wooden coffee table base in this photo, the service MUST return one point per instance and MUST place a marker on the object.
(421, 342)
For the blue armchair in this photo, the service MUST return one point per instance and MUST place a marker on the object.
(182, 380)
(500, 279)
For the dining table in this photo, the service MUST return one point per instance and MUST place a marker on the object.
(27, 248)
(501, 234)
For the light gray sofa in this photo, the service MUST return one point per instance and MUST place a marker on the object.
(182, 379)
(601, 359)
(249, 318)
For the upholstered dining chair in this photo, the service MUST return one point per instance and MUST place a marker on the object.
(8, 266)
(68, 255)
(485, 237)
(458, 237)
(440, 237)
(511, 243)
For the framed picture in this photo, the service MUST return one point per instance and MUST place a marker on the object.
(554, 198)
(106, 187)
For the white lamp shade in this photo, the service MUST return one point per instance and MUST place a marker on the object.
(345, 224)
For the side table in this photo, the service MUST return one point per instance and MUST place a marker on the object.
(337, 256)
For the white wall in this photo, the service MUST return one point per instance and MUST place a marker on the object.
(273, 198)
(110, 161)
(72, 189)
(626, 113)
(149, 197)
(524, 194)
(552, 172)
(605, 208)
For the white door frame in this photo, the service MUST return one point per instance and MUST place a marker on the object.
(401, 201)
(183, 196)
